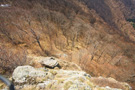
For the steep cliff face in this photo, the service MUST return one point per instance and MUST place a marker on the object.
(95, 34)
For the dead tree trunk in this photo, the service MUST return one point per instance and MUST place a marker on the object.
(38, 41)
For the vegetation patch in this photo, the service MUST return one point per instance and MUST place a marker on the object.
(132, 21)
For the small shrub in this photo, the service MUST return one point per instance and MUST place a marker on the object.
(92, 20)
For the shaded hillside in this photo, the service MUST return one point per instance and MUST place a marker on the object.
(130, 5)
(102, 9)
(95, 35)
(115, 13)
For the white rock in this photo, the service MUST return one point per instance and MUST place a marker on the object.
(23, 73)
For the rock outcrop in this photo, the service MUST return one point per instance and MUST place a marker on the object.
(30, 78)
(65, 65)
(39, 79)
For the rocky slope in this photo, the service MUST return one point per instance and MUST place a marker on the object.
(43, 78)
(94, 34)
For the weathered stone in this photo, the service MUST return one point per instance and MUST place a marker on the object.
(25, 74)
(49, 62)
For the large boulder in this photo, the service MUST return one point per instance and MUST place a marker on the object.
(27, 74)
(49, 62)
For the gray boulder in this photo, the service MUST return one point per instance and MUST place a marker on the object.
(49, 62)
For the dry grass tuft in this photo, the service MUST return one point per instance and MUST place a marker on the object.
(102, 82)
